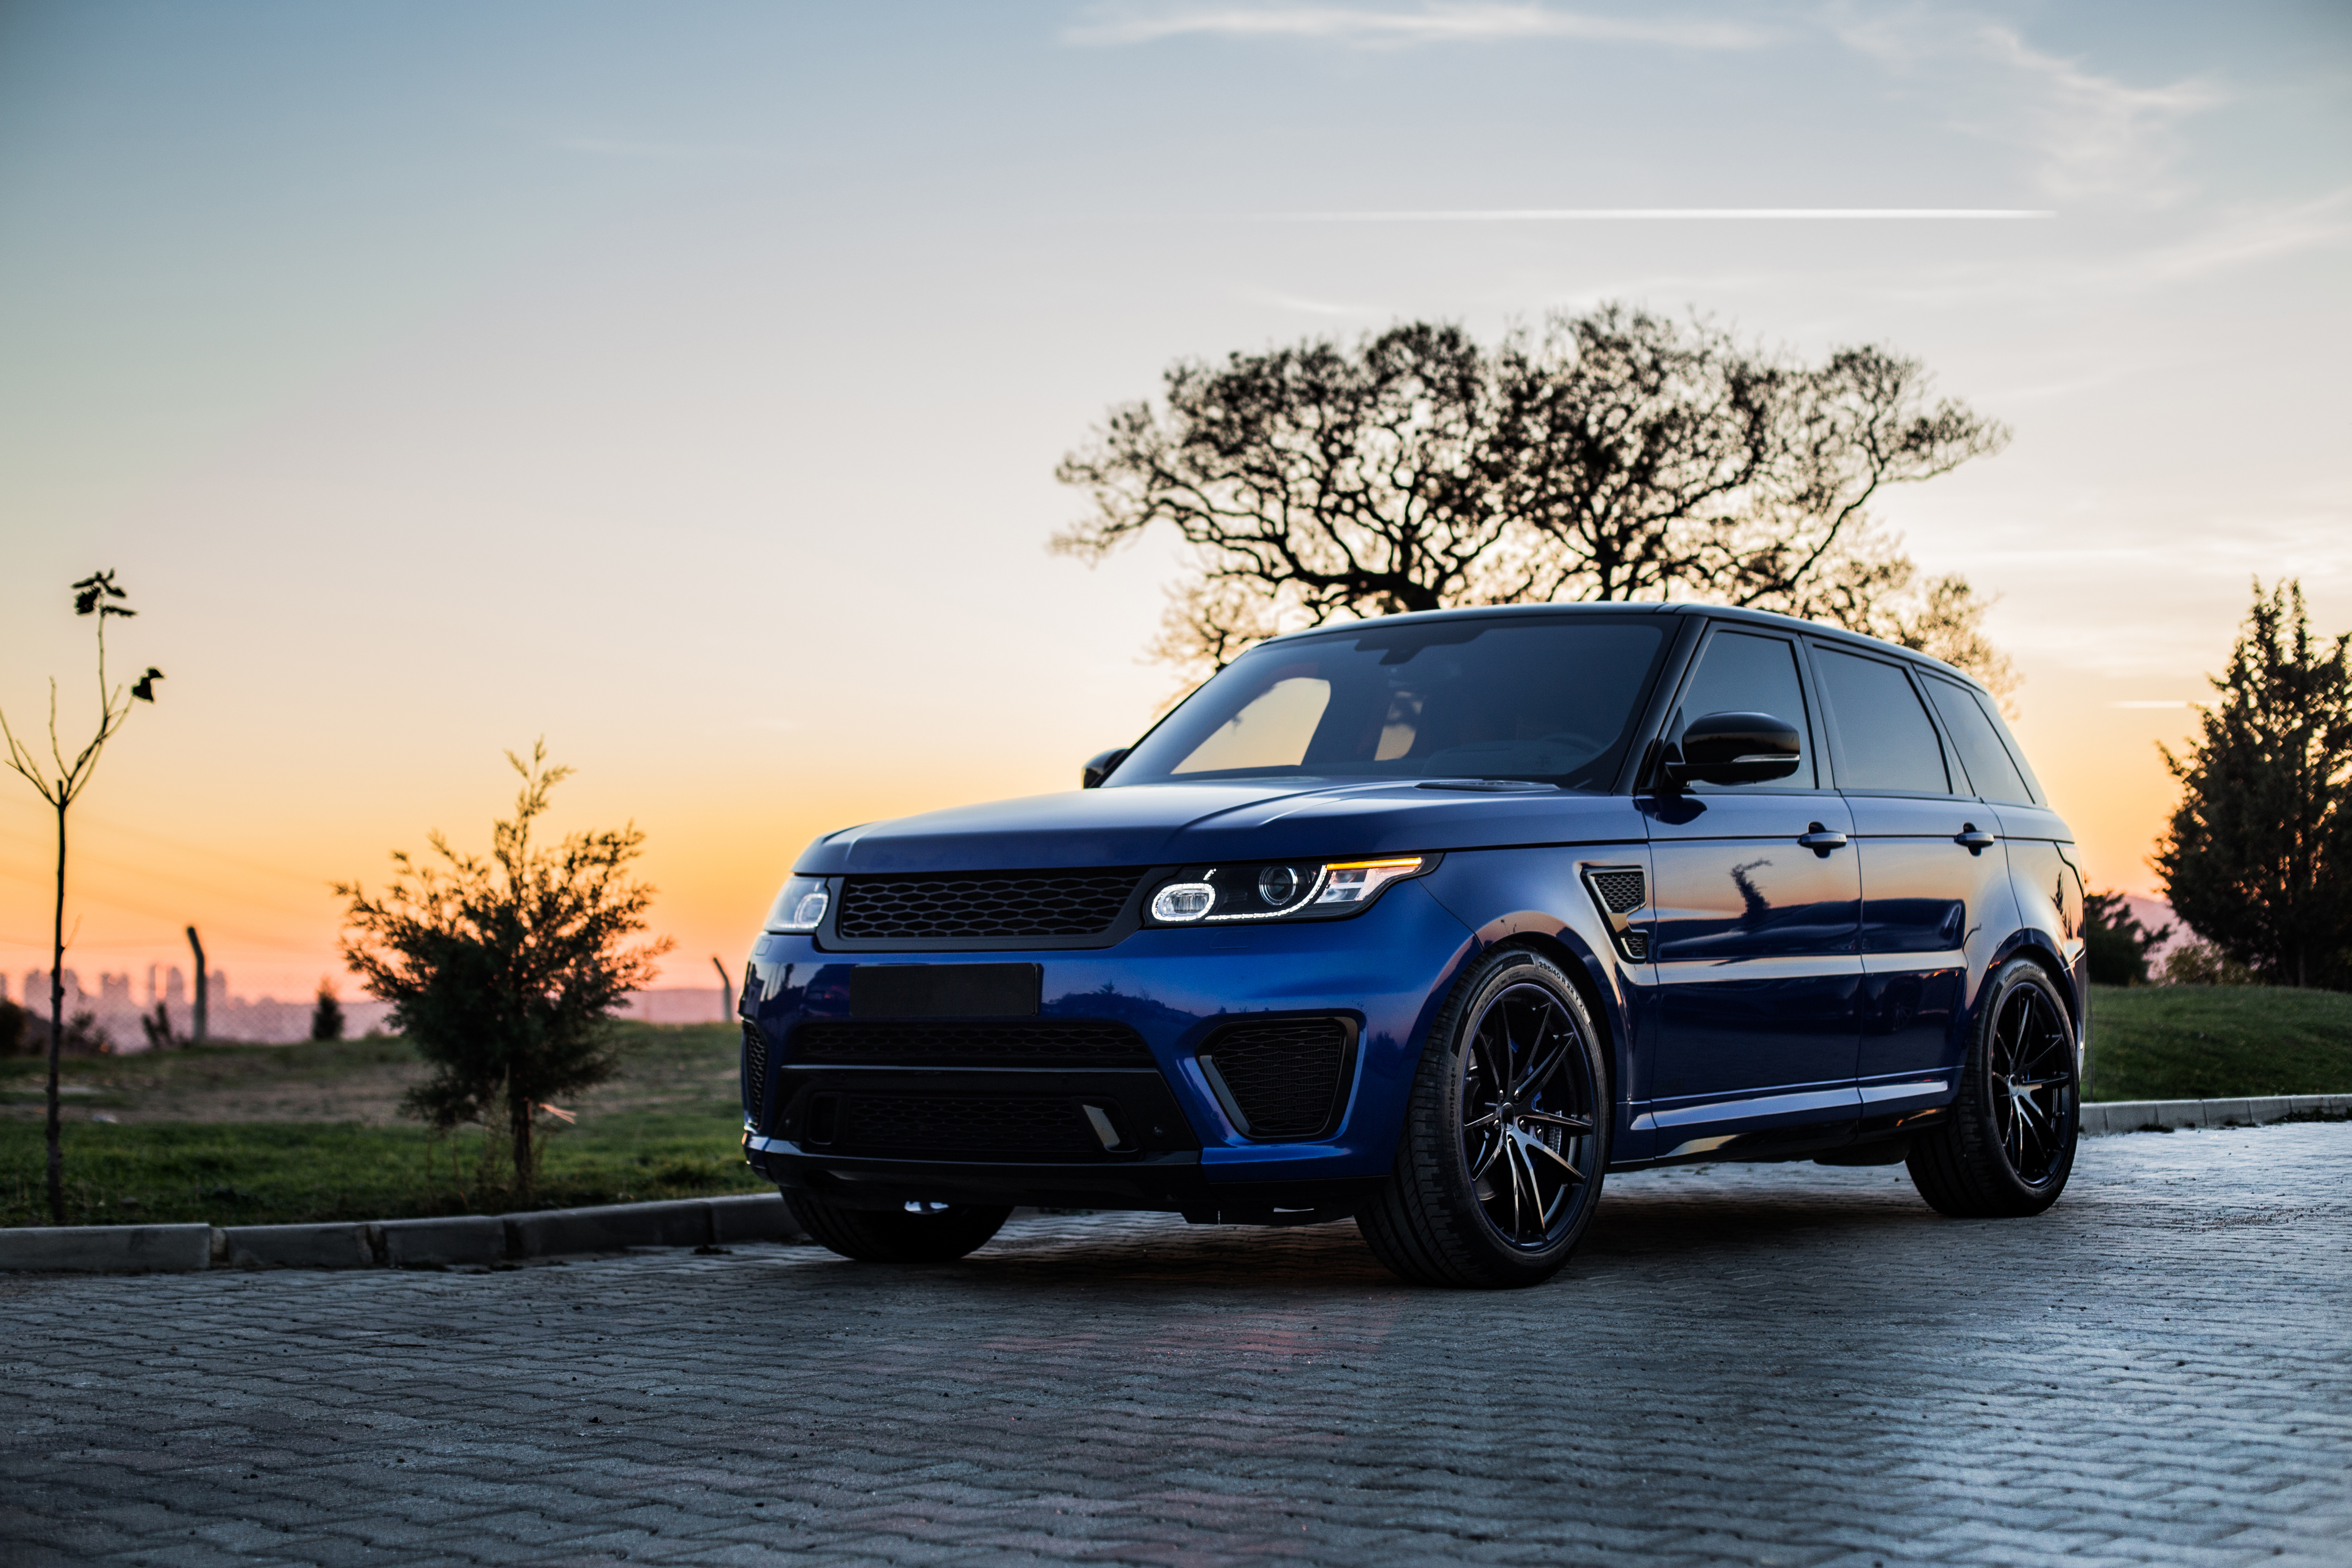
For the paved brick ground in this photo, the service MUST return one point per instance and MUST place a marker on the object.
(1785, 1364)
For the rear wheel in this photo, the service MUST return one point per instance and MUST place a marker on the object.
(2009, 1143)
(1506, 1134)
(912, 1233)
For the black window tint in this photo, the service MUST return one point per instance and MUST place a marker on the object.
(1989, 768)
(1885, 738)
(1739, 672)
(1553, 700)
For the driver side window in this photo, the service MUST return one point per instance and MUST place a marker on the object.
(1743, 672)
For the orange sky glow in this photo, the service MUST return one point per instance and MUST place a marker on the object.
(684, 387)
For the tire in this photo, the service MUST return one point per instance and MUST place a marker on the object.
(1443, 1218)
(2009, 1143)
(915, 1232)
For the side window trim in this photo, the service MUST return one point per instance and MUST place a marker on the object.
(1808, 692)
(1935, 724)
(1958, 784)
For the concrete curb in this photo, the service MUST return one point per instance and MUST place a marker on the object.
(2164, 1115)
(476, 1239)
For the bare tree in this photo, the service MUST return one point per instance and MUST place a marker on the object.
(1312, 482)
(1617, 455)
(95, 596)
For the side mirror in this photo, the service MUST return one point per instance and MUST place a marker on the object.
(1734, 748)
(1097, 767)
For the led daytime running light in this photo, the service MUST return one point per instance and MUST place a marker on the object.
(1336, 884)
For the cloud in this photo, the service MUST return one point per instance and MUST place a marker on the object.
(2086, 134)
(1366, 27)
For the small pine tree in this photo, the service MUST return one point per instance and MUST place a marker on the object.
(327, 1017)
(2258, 858)
(506, 972)
(2118, 943)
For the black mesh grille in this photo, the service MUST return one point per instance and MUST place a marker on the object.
(755, 1071)
(1621, 891)
(1637, 945)
(1285, 1076)
(1040, 904)
(928, 1125)
(1031, 1042)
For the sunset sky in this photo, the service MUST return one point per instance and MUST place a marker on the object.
(684, 383)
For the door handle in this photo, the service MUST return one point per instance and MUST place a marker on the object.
(1821, 840)
(1976, 839)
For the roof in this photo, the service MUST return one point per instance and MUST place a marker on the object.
(1652, 607)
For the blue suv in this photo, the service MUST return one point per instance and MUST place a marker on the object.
(1434, 920)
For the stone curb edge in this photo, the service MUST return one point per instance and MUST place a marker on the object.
(2165, 1115)
(481, 1239)
(397, 1243)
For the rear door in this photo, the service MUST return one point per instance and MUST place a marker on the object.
(1755, 916)
(1936, 896)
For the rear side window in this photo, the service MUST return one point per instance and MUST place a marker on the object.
(1989, 766)
(1885, 739)
(1740, 672)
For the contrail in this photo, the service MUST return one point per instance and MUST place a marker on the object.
(1625, 215)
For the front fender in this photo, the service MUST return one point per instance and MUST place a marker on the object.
(1537, 898)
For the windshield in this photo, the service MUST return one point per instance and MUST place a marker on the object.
(1546, 700)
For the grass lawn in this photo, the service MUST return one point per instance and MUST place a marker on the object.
(2219, 1042)
(196, 1137)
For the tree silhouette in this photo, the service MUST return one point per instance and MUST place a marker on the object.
(2258, 858)
(505, 971)
(98, 597)
(1617, 455)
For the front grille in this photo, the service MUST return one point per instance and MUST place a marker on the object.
(1285, 1078)
(1029, 1042)
(926, 1126)
(755, 1071)
(1621, 891)
(1044, 905)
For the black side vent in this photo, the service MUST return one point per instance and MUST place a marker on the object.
(1622, 891)
(755, 1071)
(1035, 905)
(1282, 1080)
(1014, 1043)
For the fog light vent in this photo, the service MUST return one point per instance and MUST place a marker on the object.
(755, 1072)
(1283, 1080)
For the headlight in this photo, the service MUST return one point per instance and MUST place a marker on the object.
(1278, 889)
(800, 906)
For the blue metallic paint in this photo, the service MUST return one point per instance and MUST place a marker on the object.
(1805, 998)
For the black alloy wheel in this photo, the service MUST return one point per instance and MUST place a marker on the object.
(1506, 1133)
(912, 1233)
(2008, 1145)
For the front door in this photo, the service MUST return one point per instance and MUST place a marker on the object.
(1756, 912)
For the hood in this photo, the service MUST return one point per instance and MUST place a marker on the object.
(1238, 819)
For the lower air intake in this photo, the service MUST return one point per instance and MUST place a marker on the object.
(941, 1126)
(1023, 1043)
(1285, 1078)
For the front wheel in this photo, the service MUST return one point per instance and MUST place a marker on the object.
(1506, 1134)
(912, 1233)
(2009, 1143)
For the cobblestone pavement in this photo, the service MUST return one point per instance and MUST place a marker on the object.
(1747, 1365)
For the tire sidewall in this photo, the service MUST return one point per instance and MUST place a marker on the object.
(1442, 1068)
(1982, 1093)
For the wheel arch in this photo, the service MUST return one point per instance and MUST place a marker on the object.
(1592, 971)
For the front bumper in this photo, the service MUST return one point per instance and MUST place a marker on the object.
(1178, 1146)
